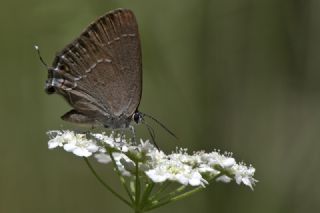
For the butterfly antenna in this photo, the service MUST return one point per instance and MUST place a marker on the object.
(40, 57)
(161, 124)
(151, 133)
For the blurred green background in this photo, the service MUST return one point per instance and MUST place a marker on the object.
(235, 75)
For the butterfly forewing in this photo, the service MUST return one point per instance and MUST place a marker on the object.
(100, 73)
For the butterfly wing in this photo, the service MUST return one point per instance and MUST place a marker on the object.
(100, 73)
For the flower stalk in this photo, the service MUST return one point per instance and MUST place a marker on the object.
(105, 184)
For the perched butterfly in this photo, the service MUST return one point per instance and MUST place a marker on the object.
(100, 73)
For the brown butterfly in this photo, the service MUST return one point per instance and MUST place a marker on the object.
(100, 73)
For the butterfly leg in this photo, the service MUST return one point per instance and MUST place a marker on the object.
(133, 131)
(122, 135)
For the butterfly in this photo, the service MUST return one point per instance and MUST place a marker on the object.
(100, 73)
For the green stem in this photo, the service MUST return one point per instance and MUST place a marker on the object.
(174, 193)
(137, 188)
(174, 197)
(163, 187)
(178, 197)
(122, 180)
(164, 200)
(146, 194)
(105, 184)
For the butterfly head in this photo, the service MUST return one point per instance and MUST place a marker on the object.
(137, 117)
(49, 88)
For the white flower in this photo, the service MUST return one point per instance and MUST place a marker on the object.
(103, 158)
(58, 138)
(216, 159)
(124, 164)
(206, 169)
(187, 169)
(157, 175)
(244, 174)
(78, 144)
(81, 147)
(144, 148)
(224, 178)
(175, 171)
(156, 156)
(55, 142)
(109, 141)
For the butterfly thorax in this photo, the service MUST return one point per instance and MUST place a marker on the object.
(120, 122)
(123, 121)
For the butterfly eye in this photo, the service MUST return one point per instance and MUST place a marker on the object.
(137, 117)
(50, 89)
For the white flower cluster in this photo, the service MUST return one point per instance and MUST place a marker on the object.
(179, 166)
(78, 144)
